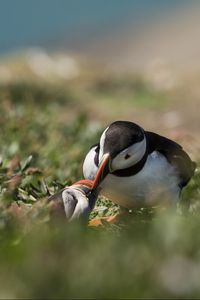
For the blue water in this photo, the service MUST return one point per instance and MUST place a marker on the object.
(54, 23)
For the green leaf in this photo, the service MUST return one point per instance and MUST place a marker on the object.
(27, 163)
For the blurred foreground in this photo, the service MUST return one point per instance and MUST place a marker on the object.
(46, 130)
(156, 259)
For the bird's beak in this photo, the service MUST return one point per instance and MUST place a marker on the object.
(104, 169)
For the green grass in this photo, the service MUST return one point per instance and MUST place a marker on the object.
(45, 134)
(129, 91)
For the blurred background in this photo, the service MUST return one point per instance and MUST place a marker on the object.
(129, 34)
(68, 68)
(154, 43)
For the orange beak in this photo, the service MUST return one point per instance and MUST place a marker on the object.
(102, 171)
(86, 182)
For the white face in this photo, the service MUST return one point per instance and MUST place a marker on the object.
(102, 140)
(129, 156)
(89, 167)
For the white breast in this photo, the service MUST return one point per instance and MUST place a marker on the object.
(155, 183)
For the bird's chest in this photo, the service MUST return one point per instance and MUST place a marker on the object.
(156, 182)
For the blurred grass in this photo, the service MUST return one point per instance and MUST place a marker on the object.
(131, 89)
(45, 133)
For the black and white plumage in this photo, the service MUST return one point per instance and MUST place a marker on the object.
(136, 167)
(75, 201)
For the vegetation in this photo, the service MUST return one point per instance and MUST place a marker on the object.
(45, 134)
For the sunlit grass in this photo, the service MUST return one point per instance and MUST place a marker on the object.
(44, 137)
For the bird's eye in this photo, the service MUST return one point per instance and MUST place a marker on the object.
(127, 156)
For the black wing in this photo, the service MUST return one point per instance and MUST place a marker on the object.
(56, 197)
(92, 197)
(174, 153)
(57, 209)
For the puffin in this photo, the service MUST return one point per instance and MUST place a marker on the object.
(74, 202)
(137, 168)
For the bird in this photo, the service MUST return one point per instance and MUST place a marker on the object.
(137, 168)
(74, 202)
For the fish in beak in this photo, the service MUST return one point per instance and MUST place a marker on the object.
(103, 170)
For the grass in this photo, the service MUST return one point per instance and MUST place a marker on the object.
(45, 133)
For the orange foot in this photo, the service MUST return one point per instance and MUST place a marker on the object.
(102, 220)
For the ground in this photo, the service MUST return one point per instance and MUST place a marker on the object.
(46, 130)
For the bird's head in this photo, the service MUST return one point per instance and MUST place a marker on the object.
(122, 145)
(90, 188)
